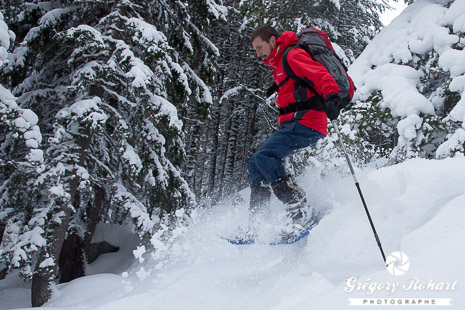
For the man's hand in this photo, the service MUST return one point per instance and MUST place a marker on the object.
(333, 107)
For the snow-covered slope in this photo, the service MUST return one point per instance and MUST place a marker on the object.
(418, 208)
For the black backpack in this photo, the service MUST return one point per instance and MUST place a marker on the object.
(314, 43)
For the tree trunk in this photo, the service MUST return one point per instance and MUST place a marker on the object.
(46, 269)
(71, 262)
(2, 231)
(76, 249)
(46, 266)
(93, 214)
(3, 272)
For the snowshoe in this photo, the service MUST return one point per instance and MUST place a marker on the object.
(242, 236)
(300, 219)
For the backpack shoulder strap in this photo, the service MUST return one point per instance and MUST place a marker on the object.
(290, 73)
(287, 68)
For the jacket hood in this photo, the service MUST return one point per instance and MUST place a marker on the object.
(288, 38)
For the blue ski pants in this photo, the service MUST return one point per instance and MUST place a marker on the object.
(267, 163)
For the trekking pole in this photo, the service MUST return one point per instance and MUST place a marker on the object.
(334, 122)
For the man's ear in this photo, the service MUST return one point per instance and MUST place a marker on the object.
(273, 41)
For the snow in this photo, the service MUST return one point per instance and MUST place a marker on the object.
(454, 142)
(7, 97)
(14, 292)
(27, 120)
(59, 191)
(206, 94)
(458, 85)
(49, 262)
(386, 65)
(453, 61)
(149, 32)
(417, 208)
(398, 86)
(104, 272)
(417, 30)
(135, 208)
(139, 71)
(87, 109)
(182, 76)
(115, 263)
(33, 137)
(139, 252)
(337, 4)
(4, 40)
(96, 35)
(54, 16)
(456, 16)
(219, 11)
(21, 123)
(29, 116)
(133, 159)
(407, 129)
(168, 109)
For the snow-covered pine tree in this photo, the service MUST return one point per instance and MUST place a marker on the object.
(106, 84)
(411, 84)
(201, 54)
(20, 155)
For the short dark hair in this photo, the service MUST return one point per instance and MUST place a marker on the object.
(265, 32)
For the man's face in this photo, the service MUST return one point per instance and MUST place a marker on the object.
(263, 48)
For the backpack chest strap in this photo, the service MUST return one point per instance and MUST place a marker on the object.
(313, 103)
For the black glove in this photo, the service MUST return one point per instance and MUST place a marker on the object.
(333, 107)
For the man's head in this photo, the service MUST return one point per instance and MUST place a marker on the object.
(263, 40)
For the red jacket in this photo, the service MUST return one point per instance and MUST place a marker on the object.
(304, 66)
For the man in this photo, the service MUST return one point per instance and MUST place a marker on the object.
(303, 122)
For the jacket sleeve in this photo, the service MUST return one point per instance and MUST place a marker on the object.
(304, 66)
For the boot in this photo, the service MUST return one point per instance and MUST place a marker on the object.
(259, 201)
(289, 193)
(259, 197)
(297, 211)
